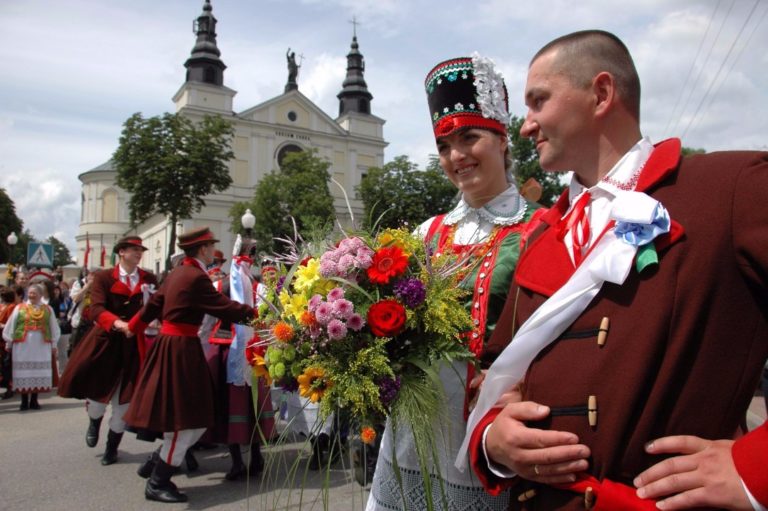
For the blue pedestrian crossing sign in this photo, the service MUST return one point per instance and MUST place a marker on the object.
(40, 254)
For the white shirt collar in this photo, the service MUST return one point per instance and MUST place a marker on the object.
(623, 174)
(123, 272)
(507, 208)
(200, 264)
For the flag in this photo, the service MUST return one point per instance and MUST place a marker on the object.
(87, 251)
(103, 252)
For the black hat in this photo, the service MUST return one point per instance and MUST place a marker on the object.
(128, 241)
(467, 92)
(201, 236)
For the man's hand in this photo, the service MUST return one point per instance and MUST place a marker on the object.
(122, 326)
(545, 456)
(704, 476)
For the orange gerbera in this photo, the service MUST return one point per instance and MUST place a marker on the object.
(283, 331)
(388, 262)
(368, 435)
(312, 383)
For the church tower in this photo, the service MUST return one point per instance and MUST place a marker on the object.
(204, 87)
(354, 95)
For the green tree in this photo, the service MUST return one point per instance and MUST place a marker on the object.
(61, 255)
(399, 193)
(9, 223)
(687, 151)
(298, 191)
(169, 164)
(527, 164)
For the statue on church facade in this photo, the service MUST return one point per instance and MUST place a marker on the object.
(293, 71)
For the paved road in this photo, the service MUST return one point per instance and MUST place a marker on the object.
(46, 466)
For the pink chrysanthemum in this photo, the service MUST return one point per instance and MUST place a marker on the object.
(355, 322)
(328, 268)
(324, 313)
(363, 261)
(336, 329)
(336, 293)
(343, 308)
(314, 302)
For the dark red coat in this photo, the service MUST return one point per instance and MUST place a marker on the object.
(105, 357)
(175, 390)
(688, 338)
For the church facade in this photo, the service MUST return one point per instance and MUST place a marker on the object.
(352, 142)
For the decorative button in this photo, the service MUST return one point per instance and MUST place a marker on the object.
(482, 275)
(477, 322)
(477, 305)
(486, 264)
(481, 290)
(474, 334)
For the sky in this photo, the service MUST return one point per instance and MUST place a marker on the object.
(73, 71)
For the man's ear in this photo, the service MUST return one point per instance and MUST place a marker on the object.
(604, 89)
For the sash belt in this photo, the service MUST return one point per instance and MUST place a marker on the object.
(179, 329)
(609, 495)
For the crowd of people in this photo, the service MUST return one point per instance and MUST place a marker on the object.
(620, 334)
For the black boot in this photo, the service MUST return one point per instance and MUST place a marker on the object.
(33, 404)
(24, 402)
(159, 486)
(257, 460)
(110, 453)
(238, 469)
(92, 435)
(146, 468)
(191, 461)
(319, 446)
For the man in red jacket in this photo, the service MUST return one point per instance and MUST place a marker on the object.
(638, 309)
(174, 393)
(104, 367)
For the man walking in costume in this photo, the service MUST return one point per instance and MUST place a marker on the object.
(174, 393)
(104, 368)
(638, 309)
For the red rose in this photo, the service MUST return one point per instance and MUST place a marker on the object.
(386, 318)
(387, 262)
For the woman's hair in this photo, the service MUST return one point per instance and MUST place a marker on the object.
(37, 287)
(7, 295)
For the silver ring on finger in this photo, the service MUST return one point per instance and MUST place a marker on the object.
(536, 470)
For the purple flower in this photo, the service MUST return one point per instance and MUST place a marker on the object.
(336, 329)
(411, 292)
(328, 268)
(331, 255)
(388, 389)
(314, 332)
(363, 261)
(346, 263)
(314, 302)
(290, 386)
(279, 285)
(343, 308)
(335, 294)
(355, 322)
(324, 313)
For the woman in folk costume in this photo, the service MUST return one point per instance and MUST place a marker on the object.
(468, 104)
(31, 334)
(174, 392)
(235, 415)
(104, 368)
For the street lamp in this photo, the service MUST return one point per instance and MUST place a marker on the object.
(248, 221)
(12, 239)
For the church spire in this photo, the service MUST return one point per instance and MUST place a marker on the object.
(354, 95)
(204, 65)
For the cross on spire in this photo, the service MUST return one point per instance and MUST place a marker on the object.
(355, 23)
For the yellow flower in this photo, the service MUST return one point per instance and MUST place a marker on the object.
(312, 383)
(283, 331)
(260, 368)
(293, 304)
(396, 238)
(368, 435)
(307, 276)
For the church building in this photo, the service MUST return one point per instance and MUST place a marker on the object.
(264, 134)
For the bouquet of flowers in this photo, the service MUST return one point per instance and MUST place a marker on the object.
(360, 324)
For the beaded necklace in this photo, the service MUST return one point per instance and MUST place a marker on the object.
(470, 252)
(36, 312)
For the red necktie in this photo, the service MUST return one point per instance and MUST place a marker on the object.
(578, 224)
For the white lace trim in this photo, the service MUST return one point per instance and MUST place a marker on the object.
(507, 208)
(490, 89)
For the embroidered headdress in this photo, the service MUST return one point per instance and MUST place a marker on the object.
(467, 93)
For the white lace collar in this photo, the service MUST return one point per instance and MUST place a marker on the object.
(507, 208)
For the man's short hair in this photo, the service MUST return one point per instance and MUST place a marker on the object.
(582, 55)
